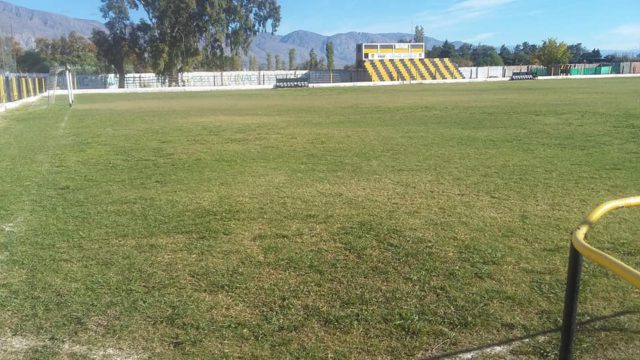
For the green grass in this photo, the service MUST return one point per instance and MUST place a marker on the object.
(391, 222)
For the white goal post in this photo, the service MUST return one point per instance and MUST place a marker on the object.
(60, 80)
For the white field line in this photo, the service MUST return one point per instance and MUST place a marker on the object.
(502, 351)
(63, 125)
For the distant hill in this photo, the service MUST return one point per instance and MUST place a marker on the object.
(344, 44)
(27, 24)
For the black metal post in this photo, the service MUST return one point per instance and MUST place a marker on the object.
(571, 304)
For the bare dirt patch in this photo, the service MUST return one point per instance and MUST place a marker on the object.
(17, 346)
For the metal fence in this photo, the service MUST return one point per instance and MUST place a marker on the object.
(490, 72)
(268, 78)
(192, 79)
(14, 87)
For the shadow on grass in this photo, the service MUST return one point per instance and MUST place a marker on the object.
(527, 337)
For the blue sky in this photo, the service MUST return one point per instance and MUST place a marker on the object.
(605, 24)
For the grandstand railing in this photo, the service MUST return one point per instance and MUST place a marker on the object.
(579, 249)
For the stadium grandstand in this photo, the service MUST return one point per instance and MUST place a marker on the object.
(403, 62)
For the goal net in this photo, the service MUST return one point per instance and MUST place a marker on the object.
(60, 83)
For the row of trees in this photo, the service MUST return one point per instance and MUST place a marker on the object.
(74, 50)
(550, 52)
(277, 63)
(82, 55)
(180, 35)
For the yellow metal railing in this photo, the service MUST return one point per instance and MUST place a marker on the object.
(606, 261)
(579, 249)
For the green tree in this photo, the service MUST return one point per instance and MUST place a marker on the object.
(73, 50)
(292, 59)
(463, 55)
(418, 35)
(506, 55)
(313, 60)
(115, 47)
(253, 63)
(593, 57)
(269, 61)
(278, 62)
(484, 55)
(578, 53)
(448, 50)
(183, 31)
(10, 51)
(329, 53)
(553, 52)
(236, 62)
(32, 62)
(523, 54)
(434, 52)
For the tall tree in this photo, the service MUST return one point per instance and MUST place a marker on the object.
(463, 55)
(329, 53)
(418, 35)
(278, 62)
(593, 56)
(115, 46)
(577, 53)
(185, 30)
(313, 60)
(269, 61)
(10, 51)
(506, 55)
(253, 63)
(524, 53)
(553, 52)
(73, 50)
(292, 59)
(448, 50)
(484, 55)
(32, 62)
(236, 62)
(434, 52)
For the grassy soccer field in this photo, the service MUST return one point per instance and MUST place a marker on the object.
(394, 222)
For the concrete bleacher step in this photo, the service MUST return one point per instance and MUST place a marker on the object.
(412, 69)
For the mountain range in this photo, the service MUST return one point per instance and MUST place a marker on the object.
(344, 44)
(27, 24)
